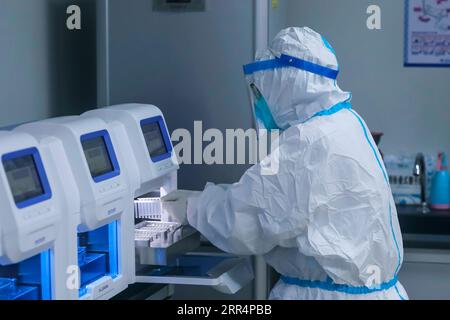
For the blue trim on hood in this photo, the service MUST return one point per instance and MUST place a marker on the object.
(286, 61)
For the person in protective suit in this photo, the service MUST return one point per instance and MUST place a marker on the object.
(326, 220)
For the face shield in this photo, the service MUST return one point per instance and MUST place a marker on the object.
(263, 116)
(261, 113)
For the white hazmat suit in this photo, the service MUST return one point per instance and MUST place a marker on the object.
(326, 221)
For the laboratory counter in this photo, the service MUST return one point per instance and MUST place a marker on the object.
(424, 230)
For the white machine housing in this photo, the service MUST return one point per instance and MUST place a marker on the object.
(102, 201)
(64, 257)
(145, 174)
(133, 117)
(157, 175)
(29, 227)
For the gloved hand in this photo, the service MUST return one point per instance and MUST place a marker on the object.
(176, 204)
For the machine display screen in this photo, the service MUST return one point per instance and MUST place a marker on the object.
(97, 156)
(154, 139)
(23, 178)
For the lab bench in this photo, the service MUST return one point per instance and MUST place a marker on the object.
(425, 273)
(425, 231)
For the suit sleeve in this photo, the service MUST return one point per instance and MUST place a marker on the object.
(265, 209)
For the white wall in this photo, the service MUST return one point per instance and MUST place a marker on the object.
(278, 17)
(189, 65)
(410, 105)
(45, 70)
(23, 58)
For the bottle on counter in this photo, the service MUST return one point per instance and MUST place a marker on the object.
(440, 187)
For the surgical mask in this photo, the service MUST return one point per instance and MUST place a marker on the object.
(261, 111)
